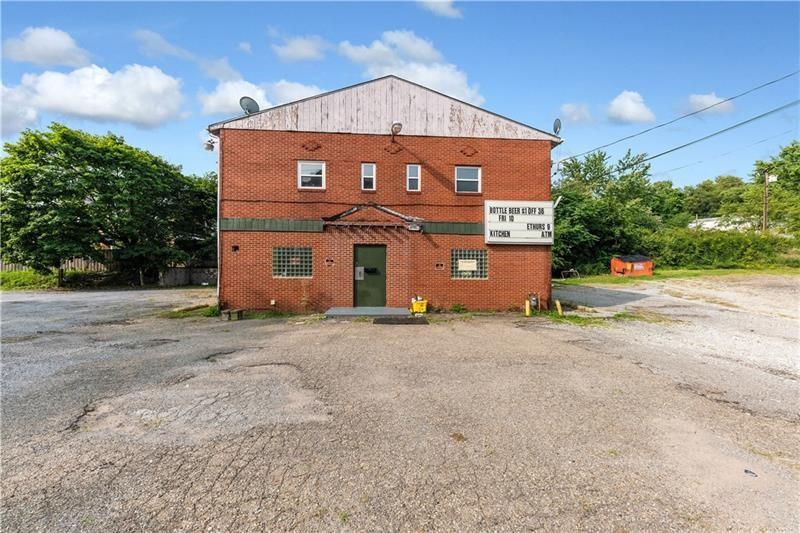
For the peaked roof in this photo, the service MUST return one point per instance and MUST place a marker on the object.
(372, 106)
(371, 213)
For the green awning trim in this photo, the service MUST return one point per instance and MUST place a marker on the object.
(453, 228)
(269, 224)
(316, 226)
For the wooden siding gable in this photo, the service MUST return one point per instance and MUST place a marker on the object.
(371, 108)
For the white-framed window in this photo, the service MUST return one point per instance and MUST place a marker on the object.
(468, 179)
(368, 177)
(413, 178)
(311, 174)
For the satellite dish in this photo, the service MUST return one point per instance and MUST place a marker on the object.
(249, 105)
(557, 126)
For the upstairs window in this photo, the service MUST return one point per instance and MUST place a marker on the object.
(468, 179)
(368, 176)
(311, 174)
(413, 178)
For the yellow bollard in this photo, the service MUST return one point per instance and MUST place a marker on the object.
(558, 306)
(528, 307)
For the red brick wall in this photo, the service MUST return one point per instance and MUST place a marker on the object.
(259, 180)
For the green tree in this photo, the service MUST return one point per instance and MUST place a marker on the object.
(667, 202)
(784, 194)
(44, 209)
(69, 193)
(705, 199)
(195, 223)
(603, 211)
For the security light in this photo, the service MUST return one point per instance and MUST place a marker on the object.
(208, 145)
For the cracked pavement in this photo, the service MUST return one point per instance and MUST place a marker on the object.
(115, 419)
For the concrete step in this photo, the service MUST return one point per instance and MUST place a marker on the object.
(366, 311)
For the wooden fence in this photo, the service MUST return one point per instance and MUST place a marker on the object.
(76, 263)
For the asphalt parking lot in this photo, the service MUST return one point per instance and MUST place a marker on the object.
(115, 418)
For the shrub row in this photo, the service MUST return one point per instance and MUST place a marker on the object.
(714, 248)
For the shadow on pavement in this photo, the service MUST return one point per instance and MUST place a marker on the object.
(596, 296)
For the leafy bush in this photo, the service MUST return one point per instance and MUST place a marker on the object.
(714, 248)
(212, 310)
(458, 308)
(27, 279)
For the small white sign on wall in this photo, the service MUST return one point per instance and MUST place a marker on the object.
(467, 265)
(518, 222)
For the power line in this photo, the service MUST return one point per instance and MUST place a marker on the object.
(748, 91)
(729, 128)
(724, 154)
(705, 138)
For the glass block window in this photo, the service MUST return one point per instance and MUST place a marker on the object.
(368, 176)
(469, 264)
(291, 262)
(468, 179)
(311, 174)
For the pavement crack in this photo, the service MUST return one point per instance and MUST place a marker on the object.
(87, 409)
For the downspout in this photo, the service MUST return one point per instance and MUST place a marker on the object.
(219, 193)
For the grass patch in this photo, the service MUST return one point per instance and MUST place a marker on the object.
(600, 321)
(261, 315)
(204, 311)
(577, 320)
(27, 280)
(678, 273)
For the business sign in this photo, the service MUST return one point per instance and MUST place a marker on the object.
(467, 265)
(518, 222)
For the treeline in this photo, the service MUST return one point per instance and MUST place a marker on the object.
(66, 193)
(614, 208)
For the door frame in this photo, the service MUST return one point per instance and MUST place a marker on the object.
(385, 278)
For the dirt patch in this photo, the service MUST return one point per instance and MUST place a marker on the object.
(711, 468)
(218, 403)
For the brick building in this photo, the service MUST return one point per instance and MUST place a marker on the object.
(321, 205)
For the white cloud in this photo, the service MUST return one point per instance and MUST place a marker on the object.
(17, 113)
(219, 69)
(225, 97)
(696, 102)
(443, 8)
(45, 46)
(576, 113)
(629, 107)
(284, 91)
(139, 95)
(309, 48)
(408, 44)
(153, 44)
(407, 55)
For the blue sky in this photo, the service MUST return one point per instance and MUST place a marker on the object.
(159, 73)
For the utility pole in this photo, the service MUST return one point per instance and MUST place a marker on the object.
(767, 178)
(765, 225)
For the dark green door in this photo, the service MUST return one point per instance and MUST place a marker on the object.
(370, 276)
